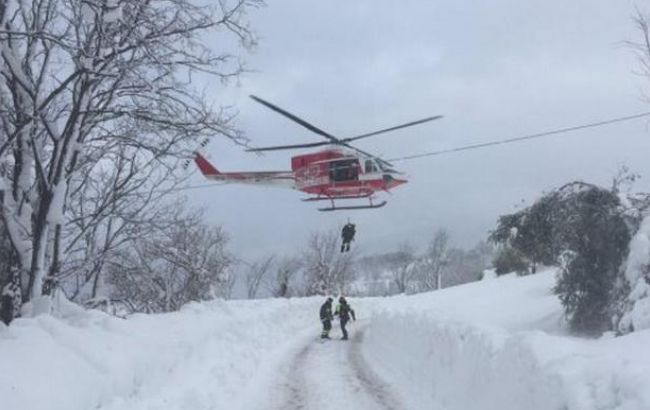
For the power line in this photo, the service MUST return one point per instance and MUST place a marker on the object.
(522, 138)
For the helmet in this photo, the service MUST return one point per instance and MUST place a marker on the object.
(329, 299)
(342, 299)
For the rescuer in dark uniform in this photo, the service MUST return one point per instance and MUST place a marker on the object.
(347, 236)
(344, 311)
(326, 318)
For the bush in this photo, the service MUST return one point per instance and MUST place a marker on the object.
(509, 260)
(582, 228)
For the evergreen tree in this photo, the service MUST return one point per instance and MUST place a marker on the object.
(594, 237)
(530, 232)
(582, 228)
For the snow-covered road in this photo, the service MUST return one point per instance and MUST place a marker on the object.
(330, 374)
(492, 345)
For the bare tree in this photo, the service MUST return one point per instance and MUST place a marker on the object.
(8, 265)
(375, 275)
(104, 213)
(181, 260)
(461, 267)
(256, 273)
(327, 270)
(280, 285)
(435, 261)
(401, 265)
(227, 285)
(78, 79)
(642, 46)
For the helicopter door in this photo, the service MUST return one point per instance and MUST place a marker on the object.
(344, 170)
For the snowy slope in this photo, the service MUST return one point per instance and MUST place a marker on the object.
(496, 344)
(501, 344)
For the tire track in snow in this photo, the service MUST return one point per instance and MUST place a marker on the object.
(334, 373)
(294, 386)
(373, 385)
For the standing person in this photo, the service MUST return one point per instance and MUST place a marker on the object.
(326, 318)
(347, 236)
(344, 311)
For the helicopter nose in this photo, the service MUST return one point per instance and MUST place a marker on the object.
(397, 182)
(391, 182)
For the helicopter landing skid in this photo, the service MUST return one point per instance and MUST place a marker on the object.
(353, 207)
(327, 198)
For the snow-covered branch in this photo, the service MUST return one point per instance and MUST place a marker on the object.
(84, 86)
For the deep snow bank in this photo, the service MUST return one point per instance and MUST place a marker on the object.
(482, 346)
(207, 356)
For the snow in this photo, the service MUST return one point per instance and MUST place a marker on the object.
(14, 66)
(55, 214)
(200, 357)
(489, 274)
(113, 11)
(637, 269)
(502, 343)
(494, 344)
(87, 13)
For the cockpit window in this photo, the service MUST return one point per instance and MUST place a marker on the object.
(371, 166)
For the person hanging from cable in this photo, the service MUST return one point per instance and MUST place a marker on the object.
(326, 318)
(347, 236)
(344, 312)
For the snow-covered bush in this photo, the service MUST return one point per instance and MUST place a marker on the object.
(632, 307)
(529, 232)
(508, 260)
(583, 228)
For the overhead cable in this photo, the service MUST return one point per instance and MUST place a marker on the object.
(523, 138)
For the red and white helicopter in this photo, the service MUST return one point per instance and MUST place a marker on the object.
(340, 171)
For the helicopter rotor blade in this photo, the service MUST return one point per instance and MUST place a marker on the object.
(294, 146)
(397, 127)
(332, 139)
(382, 161)
(318, 144)
(296, 119)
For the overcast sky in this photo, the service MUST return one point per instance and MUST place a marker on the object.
(495, 69)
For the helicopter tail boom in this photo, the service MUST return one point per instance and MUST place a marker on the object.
(206, 168)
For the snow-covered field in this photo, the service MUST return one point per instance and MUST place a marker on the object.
(496, 344)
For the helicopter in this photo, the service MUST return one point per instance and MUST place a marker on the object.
(338, 172)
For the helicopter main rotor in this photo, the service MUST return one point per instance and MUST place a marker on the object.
(331, 139)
